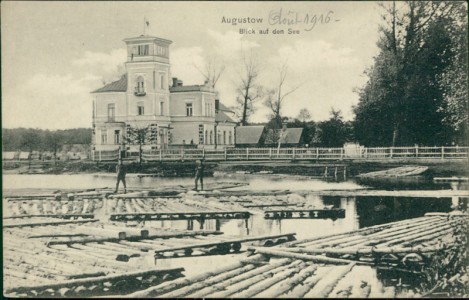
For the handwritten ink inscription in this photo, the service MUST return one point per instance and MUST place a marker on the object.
(281, 17)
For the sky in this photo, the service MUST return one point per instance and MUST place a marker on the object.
(55, 53)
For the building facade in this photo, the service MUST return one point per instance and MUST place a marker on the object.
(147, 107)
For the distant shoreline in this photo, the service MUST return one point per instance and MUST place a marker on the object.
(438, 168)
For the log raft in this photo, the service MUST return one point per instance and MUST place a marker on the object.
(225, 246)
(334, 213)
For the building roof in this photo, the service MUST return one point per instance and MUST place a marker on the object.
(221, 116)
(146, 38)
(291, 136)
(116, 86)
(189, 88)
(248, 134)
(222, 107)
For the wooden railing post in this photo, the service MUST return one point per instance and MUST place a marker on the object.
(225, 153)
(161, 155)
(416, 150)
(366, 152)
(99, 155)
(247, 153)
(203, 153)
(342, 153)
(390, 152)
(442, 152)
(270, 153)
(317, 153)
(293, 153)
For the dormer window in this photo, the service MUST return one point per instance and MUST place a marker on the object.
(140, 88)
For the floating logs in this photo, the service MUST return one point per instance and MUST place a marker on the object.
(279, 277)
(334, 213)
(97, 286)
(221, 247)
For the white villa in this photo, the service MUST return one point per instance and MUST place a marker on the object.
(148, 97)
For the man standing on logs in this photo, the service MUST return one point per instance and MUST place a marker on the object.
(199, 174)
(121, 172)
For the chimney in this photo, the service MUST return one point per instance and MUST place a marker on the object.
(179, 83)
(217, 105)
(175, 81)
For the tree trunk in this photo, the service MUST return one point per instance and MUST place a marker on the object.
(245, 108)
(395, 135)
(140, 155)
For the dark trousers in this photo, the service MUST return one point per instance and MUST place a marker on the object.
(119, 179)
(201, 178)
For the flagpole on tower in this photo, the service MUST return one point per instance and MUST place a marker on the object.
(145, 24)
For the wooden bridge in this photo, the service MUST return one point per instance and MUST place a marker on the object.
(242, 154)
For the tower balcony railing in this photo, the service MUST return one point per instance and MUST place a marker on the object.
(139, 92)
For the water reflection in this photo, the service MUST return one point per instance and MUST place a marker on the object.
(360, 212)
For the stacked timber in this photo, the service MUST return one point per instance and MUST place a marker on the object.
(404, 171)
(404, 244)
(77, 258)
(154, 208)
(27, 208)
(221, 245)
(267, 276)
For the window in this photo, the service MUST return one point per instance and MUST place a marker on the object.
(117, 134)
(219, 138)
(111, 112)
(143, 50)
(104, 137)
(189, 109)
(140, 88)
(230, 138)
(162, 81)
(206, 137)
(161, 108)
(211, 137)
(224, 137)
(154, 79)
(140, 109)
(162, 51)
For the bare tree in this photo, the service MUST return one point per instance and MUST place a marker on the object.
(212, 70)
(304, 115)
(276, 97)
(248, 89)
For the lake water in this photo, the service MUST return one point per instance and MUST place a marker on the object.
(360, 211)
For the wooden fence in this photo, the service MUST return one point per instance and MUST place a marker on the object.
(238, 154)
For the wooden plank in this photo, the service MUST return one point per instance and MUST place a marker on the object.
(226, 280)
(61, 216)
(401, 193)
(95, 280)
(48, 223)
(194, 215)
(314, 258)
(254, 285)
(178, 283)
(288, 236)
(305, 214)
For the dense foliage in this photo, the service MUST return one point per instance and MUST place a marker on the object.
(417, 87)
(28, 139)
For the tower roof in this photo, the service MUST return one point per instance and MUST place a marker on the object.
(146, 38)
